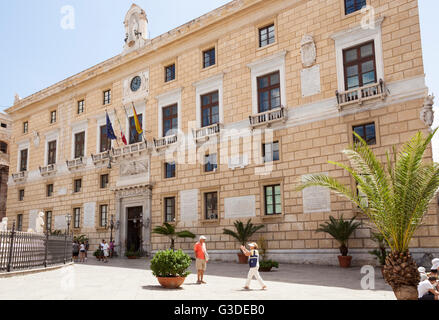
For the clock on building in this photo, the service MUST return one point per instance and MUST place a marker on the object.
(135, 83)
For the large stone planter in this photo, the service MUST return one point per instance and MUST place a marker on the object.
(171, 282)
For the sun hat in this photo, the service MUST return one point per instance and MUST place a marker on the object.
(435, 263)
(203, 238)
(421, 270)
(253, 245)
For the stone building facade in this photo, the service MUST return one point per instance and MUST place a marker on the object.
(237, 107)
(5, 139)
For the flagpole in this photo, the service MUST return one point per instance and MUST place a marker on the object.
(143, 131)
(128, 118)
(120, 126)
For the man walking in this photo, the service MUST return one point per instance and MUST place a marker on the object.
(202, 257)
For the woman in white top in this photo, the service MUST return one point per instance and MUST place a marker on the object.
(106, 250)
(253, 262)
(82, 252)
(427, 289)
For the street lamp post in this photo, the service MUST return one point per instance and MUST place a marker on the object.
(111, 227)
(68, 220)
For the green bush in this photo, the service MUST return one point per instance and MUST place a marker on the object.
(268, 264)
(169, 263)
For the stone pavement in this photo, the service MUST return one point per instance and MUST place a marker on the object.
(132, 279)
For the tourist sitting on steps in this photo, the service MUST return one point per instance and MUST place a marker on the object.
(427, 289)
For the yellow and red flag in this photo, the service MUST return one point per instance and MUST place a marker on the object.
(136, 121)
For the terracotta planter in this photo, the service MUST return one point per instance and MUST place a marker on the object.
(243, 259)
(172, 282)
(345, 261)
(132, 257)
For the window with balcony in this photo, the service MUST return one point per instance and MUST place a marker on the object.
(103, 215)
(211, 205)
(267, 35)
(170, 73)
(79, 145)
(170, 120)
(210, 109)
(353, 5)
(23, 160)
(76, 218)
(170, 209)
(210, 163)
(366, 132)
(273, 200)
(51, 152)
(269, 92)
(135, 137)
(359, 66)
(209, 58)
(270, 151)
(105, 143)
(169, 170)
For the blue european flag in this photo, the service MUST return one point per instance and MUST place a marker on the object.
(110, 131)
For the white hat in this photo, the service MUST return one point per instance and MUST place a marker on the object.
(435, 263)
(203, 238)
(252, 244)
(421, 270)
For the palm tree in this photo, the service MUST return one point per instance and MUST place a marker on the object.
(341, 230)
(169, 230)
(243, 232)
(395, 195)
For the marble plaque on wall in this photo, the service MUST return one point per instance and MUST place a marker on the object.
(89, 214)
(316, 199)
(189, 205)
(60, 223)
(310, 78)
(240, 207)
(33, 214)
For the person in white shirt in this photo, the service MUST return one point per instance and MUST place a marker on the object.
(253, 262)
(422, 273)
(106, 250)
(82, 252)
(427, 289)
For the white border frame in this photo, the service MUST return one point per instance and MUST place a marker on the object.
(78, 127)
(22, 145)
(211, 84)
(165, 100)
(356, 36)
(265, 66)
(51, 136)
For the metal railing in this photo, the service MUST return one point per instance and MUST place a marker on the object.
(362, 94)
(268, 117)
(207, 131)
(25, 251)
(165, 141)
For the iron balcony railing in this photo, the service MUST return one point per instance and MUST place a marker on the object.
(25, 251)
(130, 149)
(47, 170)
(165, 141)
(207, 131)
(75, 163)
(19, 176)
(362, 94)
(268, 117)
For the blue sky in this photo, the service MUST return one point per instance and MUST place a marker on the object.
(36, 52)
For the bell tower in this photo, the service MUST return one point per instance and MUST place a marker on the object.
(136, 29)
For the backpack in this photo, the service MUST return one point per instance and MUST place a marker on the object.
(253, 260)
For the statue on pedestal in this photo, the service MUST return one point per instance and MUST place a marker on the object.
(39, 223)
(4, 224)
(427, 113)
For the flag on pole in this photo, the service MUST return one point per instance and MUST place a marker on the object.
(136, 121)
(110, 131)
(124, 140)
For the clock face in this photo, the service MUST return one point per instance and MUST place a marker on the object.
(135, 83)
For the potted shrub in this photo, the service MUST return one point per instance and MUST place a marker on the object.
(133, 254)
(264, 264)
(243, 234)
(97, 254)
(381, 252)
(341, 230)
(170, 267)
(169, 230)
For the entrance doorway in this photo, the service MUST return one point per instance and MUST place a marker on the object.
(135, 225)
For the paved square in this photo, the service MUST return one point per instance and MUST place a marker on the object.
(132, 279)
